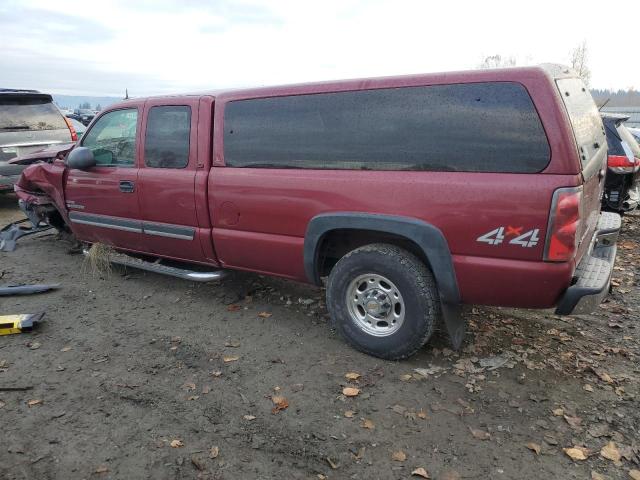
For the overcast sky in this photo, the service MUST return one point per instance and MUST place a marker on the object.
(157, 46)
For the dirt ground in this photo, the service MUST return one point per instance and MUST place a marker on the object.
(134, 375)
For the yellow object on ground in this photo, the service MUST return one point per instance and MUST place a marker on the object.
(10, 324)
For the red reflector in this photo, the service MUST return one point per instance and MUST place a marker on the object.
(74, 135)
(563, 224)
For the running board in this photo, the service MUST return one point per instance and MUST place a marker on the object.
(157, 267)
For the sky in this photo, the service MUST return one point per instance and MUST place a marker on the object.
(165, 46)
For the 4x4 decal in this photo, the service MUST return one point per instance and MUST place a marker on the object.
(527, 239)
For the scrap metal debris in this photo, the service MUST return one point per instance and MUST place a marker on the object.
(10, 234)
(27, 289)
(10, 324)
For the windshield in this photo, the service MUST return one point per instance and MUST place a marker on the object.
(29, 113)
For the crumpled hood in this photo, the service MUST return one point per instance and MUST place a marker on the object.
(43, 183)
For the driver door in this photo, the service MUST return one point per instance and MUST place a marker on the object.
(103, 200)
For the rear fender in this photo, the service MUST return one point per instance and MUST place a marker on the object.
(426, 236)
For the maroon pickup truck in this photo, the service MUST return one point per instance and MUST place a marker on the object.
(411, 195)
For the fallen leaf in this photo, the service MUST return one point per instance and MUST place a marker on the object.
(352, 376)
(214, 452)
(101, 469)
(479, 434)
(280, 403)
(597, 476)
(575, 453)
(249, 417)
(265, 314)
(193, 397)
(331, 463)
(233, 308)
(534, 447)
(406, 377)
(230, 358)
(216, 373)
(422, 414)
(634, 474)
(399, 456)
(65, 349)
(610, 452)
(366, 423)
(421, 472)
(33, 403)
(34, 345)
(359, 454)
(350, 391)
(189, 386)
(206, 389)
(349, 413)
(176, 443)
(602, 375)
(558, 412)
(232, 344)
(587, 388)
(573, 421)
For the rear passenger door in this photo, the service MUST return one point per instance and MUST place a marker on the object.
(167, 177)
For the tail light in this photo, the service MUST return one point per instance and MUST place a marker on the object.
(74, 135)
(623, 164)
(564, 220)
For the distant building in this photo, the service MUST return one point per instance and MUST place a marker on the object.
(632, 112)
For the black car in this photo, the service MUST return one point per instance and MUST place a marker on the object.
(83, 115)
(621, 191)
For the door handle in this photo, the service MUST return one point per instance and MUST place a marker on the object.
(127, 187)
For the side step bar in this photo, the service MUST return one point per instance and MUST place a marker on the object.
(157, 267)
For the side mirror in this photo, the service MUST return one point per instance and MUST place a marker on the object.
(81, 158)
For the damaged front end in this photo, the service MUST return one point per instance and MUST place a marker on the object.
(41, 197)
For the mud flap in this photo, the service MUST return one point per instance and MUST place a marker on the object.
(455, 324)
(10, 234)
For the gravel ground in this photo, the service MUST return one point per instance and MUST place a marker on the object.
(135, 375)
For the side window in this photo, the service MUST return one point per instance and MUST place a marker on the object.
(166, 142)
(474, 127)
(584, 116)
(113, 138)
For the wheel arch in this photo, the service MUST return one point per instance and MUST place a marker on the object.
(426, 237)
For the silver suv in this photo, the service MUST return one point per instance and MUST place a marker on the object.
(29, 121)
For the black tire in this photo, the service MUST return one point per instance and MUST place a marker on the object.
(412, 278)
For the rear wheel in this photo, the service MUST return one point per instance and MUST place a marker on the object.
(383, 300)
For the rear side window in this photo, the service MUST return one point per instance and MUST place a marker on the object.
(476, 127)
(584, 116)
(25, 113)
(166, 143)
(614, 142)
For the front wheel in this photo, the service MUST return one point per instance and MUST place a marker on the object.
(383, 300)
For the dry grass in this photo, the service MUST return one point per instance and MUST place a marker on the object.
(97, 261)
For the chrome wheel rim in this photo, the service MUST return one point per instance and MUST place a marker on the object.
(375, 305)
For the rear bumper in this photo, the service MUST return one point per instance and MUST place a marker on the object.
(593, 275)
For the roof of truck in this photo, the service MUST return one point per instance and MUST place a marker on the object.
(514, 74)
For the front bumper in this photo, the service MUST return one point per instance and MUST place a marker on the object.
(593, 274)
